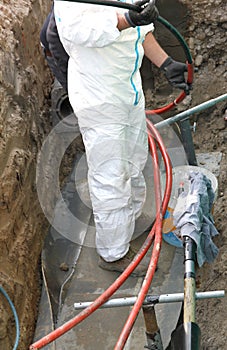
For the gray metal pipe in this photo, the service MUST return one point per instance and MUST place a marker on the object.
(186, 114)
(150, 299)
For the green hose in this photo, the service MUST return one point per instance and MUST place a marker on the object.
(178, 36)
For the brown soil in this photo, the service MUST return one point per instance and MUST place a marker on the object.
(24, 122)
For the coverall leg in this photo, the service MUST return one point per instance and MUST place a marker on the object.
(116, 145)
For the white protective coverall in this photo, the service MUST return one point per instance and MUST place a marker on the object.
(105, 91)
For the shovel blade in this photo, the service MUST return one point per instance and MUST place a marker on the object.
(186, 337)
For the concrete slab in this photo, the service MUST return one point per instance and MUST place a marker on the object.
(85, 280)
(102, 328)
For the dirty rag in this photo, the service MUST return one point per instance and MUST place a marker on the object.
(192, 216)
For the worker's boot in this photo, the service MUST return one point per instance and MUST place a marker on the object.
(121, 264)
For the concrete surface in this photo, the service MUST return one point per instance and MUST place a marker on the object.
(71, 274)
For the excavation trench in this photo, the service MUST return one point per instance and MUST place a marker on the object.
(26, 121)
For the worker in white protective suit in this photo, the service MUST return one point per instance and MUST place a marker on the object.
(105, 47)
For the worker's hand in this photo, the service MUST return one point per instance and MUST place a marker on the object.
(174, 73)
(148, 14)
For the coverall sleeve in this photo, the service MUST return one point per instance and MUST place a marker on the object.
(85, 25)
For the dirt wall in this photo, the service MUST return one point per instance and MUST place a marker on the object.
(24, 91)
(208, 41)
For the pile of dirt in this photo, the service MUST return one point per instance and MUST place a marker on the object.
(207, 39)
(207, 23)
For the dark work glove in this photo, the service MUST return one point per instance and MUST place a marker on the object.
(174, 73)
(148, 14)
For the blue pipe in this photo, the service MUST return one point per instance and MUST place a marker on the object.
(2, 290)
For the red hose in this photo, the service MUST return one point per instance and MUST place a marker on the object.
(157, 243)
(153, 261)
(167, 164)
(121, 279)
